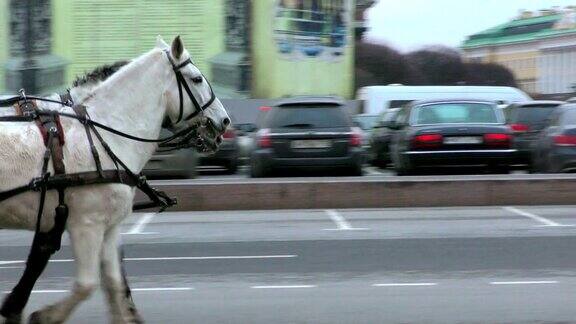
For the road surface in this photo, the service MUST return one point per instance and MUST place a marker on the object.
(430, 265)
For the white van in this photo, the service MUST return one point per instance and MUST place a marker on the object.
(379, 98)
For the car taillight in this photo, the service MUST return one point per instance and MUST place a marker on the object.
(427, 141)
(264, 138)
(355, 137)
(565, 140)
(520, 128)
(229, 134)
(497, 140)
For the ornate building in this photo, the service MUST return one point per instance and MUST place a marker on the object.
(538, 47)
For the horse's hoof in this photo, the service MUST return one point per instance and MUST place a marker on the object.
(14, 319)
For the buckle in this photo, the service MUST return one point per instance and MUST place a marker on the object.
(37, 183)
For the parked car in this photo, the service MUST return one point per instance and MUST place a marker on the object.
(245, 141)
(527, 120)
(228, 153)
(555, 148)
(365, 123)
(304, 133)
(175, 164)
(380, 137)
(451, 132)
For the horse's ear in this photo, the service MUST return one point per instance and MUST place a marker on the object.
(160, 43)
(177, 47)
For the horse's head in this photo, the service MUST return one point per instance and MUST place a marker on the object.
(190, 101)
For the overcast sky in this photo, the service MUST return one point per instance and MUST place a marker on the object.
(410, 24)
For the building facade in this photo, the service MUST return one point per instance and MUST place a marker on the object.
(247, 48)
(538, 47)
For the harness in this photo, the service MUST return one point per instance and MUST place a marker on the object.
(44, 245)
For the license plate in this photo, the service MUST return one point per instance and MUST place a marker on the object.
(463, 140)
(311, 144)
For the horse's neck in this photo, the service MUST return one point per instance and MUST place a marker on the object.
(82, 92)
(131, 101)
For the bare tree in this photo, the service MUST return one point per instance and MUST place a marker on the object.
(434, 65)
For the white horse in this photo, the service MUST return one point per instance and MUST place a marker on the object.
(137, 99)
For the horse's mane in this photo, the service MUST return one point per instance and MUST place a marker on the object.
(99, 74)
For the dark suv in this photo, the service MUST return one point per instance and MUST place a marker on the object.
(304, 133)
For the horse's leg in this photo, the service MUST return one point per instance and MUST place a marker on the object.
(86, 239)
(122, 308)
(15, 302)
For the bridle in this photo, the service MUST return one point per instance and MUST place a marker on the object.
(182, 83)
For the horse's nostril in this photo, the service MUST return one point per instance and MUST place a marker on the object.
(226, 122)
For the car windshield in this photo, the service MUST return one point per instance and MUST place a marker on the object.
(456, 113)
(309, 116)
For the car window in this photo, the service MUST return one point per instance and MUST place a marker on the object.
(452, 113)
(398, 103)
(533, 115)
(402, 116)
(390, 115)
(316, 116)
(366, 122)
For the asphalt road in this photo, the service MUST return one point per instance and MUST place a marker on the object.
(429, 265)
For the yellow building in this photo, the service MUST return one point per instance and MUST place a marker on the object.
(539, 48)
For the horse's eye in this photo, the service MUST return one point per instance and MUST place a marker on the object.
(197, 79)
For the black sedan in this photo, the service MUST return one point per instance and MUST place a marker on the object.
(451, 133)
(555, 149)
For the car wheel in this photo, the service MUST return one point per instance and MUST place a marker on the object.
(257, 171)
(499, 169)
(356, 171)
(403, 169)
(231, 166)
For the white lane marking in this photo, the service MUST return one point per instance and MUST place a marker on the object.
(141, 224)
(341, 223)
(523, 282)
(410, 284)
(43, 291)
(10, 262)
(216, 257)
(537, 218)
(135, 289)
(164, 289)
(284, 287)
(14, 267)
(224, 257)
